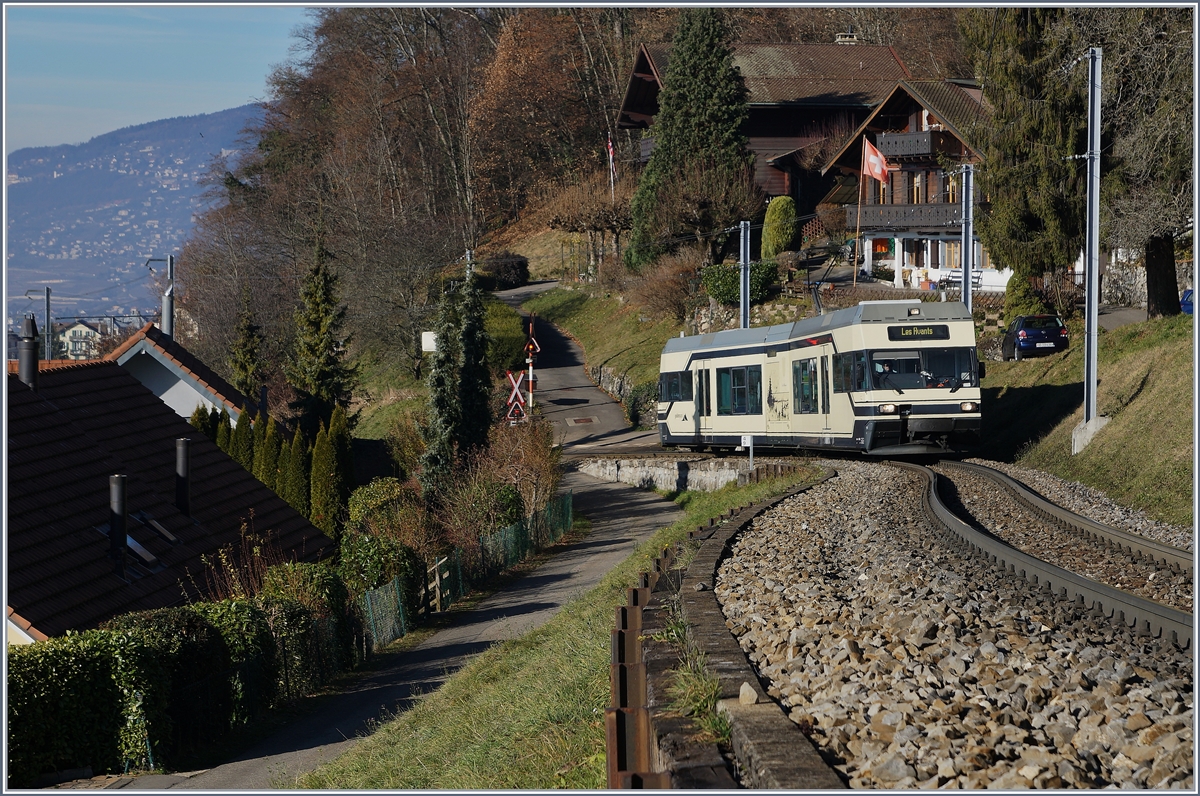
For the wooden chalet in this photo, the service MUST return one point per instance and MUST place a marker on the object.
(912, 222)
(801, 96)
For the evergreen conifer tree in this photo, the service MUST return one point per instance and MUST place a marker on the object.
(283, 469)
(343, 451)
(241, 440)
(224, 430)
(258, 439)
(325, 486)
(316, 369)
(474, 377)
(437, 461)
(266, 453)
(214, 422)
(244, 361)
(299, 466)
(199, 420)
(702, 107)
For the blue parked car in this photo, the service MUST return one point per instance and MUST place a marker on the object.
(1185, 302)
(1034, 335)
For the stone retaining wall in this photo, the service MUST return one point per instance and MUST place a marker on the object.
(673, 475)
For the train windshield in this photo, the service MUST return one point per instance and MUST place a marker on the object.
(924, 367)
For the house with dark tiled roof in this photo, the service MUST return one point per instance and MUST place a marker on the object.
(800, 97)
(912, 220)
(176, 376)
(67, 436)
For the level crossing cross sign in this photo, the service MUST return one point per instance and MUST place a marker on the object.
(515, 397)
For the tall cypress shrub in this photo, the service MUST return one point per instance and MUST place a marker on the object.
(199, 420)
(299, 466)
(266, 454)
(437, 462)
(224, 430)
(474, 378)
(325, 485)
(244, 362)
(779, 227)
(241, 440)
(343, 452)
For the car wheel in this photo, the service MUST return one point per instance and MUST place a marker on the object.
(1017, 354)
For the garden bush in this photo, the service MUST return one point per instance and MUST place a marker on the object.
(723, 281)
(247, 634)
(508, 269)
(779, 227)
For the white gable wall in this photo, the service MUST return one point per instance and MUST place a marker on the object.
(179, 394)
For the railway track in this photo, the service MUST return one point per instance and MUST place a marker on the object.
(922, 652)
(1149, 617)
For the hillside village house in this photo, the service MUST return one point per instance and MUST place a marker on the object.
(912, 221)
(801, 97)
(68, 432)
(810, 106)
(79, 340)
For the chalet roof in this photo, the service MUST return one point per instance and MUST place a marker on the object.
(826, 75)
(960, 109)
(150, 340)
(82, 425)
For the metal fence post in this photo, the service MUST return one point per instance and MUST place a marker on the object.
(400, 606)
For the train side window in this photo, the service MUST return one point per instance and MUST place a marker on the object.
(804, 387)
(675, 386)
(739, 390)
(850, 371)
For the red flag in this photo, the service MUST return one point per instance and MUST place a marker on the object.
(612, 158)
(874, 164)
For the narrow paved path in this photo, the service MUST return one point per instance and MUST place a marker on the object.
(621, 518)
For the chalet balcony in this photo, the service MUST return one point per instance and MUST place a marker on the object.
(933, 217)
(926, 144)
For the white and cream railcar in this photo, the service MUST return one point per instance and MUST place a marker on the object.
(884, 377)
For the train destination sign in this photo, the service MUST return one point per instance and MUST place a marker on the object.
(936, 331)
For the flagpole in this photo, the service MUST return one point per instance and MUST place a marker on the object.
(858, 217)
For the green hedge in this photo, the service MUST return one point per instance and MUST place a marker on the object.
(722, 281)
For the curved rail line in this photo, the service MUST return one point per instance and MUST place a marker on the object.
(1151, 618)
(1136, 546)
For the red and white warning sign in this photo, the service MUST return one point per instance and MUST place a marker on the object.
(515, 398)
(516, 412)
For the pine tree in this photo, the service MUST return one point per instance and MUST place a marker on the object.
(299, 465)
(224, 430)
(258, 440)
(474, 377)
(325, 486)
(1035, 187)
(199, 420)
(316, 369)
(343, 451)
(779, 227)
(244, 361)
(702, 107)
(437, 462)
(266, 454)
(283, 469)
(241, 440)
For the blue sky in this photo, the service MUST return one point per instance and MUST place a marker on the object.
(74, 72)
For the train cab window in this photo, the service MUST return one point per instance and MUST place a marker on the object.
(675, 386)
(850, 371)
(804, 387)
(926, 367)
(739, 390)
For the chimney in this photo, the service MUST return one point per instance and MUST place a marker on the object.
(27, 353)
(846, 38)
(167, 324)
(117, 523)
(183, 475)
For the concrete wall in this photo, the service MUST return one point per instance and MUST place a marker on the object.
(704, 475)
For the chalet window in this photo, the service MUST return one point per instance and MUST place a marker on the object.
(914, 188)
(951, 189)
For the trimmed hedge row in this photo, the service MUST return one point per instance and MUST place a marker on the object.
(149, 688)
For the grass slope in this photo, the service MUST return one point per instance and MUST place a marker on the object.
(1143, 457)
(612, 332)
(528, 713)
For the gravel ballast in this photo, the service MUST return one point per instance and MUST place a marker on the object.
(910, 666)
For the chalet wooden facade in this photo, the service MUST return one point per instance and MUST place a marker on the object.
(912, 221)
(801, 97)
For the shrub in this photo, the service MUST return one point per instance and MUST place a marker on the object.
(404, 441)
(194, 675)
(779, 227)
(1021, 299)
(641, 404)
(315, 586)
(723, 281)
(297, 635)
(368, 561)
(508, 269)
(244, 627)
(506, 337)
(669, 288)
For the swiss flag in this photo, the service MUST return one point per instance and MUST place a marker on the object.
(874, 164)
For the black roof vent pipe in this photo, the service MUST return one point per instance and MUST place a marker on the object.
(27, 352)
(183, 475)
(118, 523)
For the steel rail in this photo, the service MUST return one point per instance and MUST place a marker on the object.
(1151, 618)
(1136, 546)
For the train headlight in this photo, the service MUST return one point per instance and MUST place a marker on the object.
(887, 409)
(969, 406)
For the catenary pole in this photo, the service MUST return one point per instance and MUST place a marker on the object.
(745, 276)
(1092, 244)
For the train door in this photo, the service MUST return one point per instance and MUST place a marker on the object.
(704, 400)
(825, 392)
(778, 404)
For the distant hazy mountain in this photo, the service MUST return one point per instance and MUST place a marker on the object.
(84, 218)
